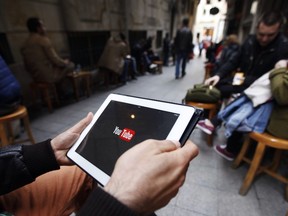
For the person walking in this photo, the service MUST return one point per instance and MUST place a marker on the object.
(183, 46)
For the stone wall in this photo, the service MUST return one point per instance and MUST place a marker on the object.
(86, 19)
(80, 16)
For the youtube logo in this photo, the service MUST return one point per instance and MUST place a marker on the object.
(126, 134)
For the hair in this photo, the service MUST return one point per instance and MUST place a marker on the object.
(185, 21)
(232, 38)
(33, 23)
(271, 18)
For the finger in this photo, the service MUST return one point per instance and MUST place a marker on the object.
(162, 146)
(189, 150)
(81, 125)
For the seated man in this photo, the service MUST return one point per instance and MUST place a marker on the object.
(277, 125)
(40, 58)
(257, 55)
(112, 58)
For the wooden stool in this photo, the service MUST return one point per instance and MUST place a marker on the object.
(212, 108)
(76, 77)
(7, 136)
(108, 76)
(47, 90)
(264, 140)
(159, 66)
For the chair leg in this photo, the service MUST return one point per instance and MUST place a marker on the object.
(28, 129)
(46, 96)
(34, 90)
(210, 140)
(55, 93)
(3, 136)
(10, 132)
(211, 114)
(276, 160)
(286, 194)
(242, 153)
(255, 163)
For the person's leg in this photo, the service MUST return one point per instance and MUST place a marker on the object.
(133, 68)
(177, 67)
(232, 148)
(147, 61)
(208, 126)
(123, 76)
(9, 108)
(59, 192)
(234, 142)
(228, 89)
(166, 57)
(184, 60)
(134, 64)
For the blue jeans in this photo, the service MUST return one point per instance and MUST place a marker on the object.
(129, 62)
(180, 56)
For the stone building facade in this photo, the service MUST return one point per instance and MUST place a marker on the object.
(79, 29)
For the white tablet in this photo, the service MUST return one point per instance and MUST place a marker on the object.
(123, 121)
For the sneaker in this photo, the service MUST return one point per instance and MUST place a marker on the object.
(221, 150)
(204, 127)
(152, 66)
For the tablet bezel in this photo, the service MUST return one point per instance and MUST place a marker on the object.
(185, 115)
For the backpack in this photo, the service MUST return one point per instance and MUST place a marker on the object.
(203, 94)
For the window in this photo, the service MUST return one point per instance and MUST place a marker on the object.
(159, 39)
(87, 47)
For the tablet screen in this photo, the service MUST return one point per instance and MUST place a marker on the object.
(123, 121)
(120, 127)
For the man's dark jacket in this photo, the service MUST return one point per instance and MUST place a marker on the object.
(254, 60)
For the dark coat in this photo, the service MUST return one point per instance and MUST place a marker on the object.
(9, 86)
(183, 40)
(255, 61)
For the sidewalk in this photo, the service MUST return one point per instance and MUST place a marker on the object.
(211, 187)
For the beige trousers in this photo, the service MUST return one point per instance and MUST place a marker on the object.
(59, 192)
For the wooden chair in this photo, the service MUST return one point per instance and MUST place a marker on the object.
(6, 131)
(76, 78)
(47, 91)
(108, 76)
(159, 66)
(264, 140)
(212, 108)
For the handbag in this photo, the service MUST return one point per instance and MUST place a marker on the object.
(203, 93)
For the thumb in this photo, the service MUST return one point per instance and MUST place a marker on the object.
(189, 150)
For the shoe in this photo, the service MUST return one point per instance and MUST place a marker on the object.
(176, 77)
(183, 74)
(204, 127)
(152, 66)
(221, 150)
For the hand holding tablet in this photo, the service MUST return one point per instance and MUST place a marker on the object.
(124, 121)
(143, 182)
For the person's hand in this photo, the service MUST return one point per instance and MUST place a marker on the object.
(149, 175)
(281, 64)
(212, 80)
(62, 143)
